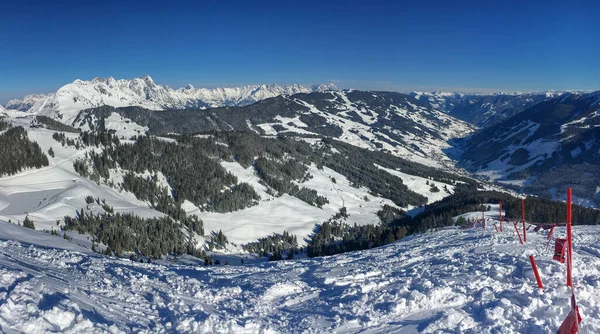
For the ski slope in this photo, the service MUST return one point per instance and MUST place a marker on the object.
(452, 280)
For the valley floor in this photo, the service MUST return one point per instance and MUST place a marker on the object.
(472, 281)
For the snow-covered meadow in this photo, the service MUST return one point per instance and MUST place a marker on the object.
(452, 280)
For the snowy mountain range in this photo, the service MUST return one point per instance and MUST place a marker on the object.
(483, 109)
(418, 126)
(27, 102)
(480, 109)
(553, 145)
(143, 92)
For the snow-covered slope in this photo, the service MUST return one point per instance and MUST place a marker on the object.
(393, 122)
(50, 193)
(386, 121)
(483, 109)
(27, 102)
(143, 92)
(450, 281)
(552, 145)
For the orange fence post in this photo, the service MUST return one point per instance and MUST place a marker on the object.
(519, 234)
(550, 237)
(523, 219)
(536, 272)
(569, 239)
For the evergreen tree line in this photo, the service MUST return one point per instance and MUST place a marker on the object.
(192, 171)
(274, 246)
(537, 210)
(364, 173)
(387, 160)
(17, 152)
(147, 189)
(279, 176)
(99, 138)
(87, 138)
(126, 232)
(218, 240)
(388, 214)
(64, 141)
(244, 147)
(54, 125)
(335, 236)
(356, 164)
(3, 124)
(28, 223)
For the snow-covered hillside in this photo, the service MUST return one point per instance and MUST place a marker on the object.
(484, 109)
(549, 146)
(386, 121)
(50, 193)
(389, 121)
(452, 280)
(143, 92)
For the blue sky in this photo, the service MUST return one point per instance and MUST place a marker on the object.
(418, 45)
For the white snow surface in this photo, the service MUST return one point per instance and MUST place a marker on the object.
(450, 281)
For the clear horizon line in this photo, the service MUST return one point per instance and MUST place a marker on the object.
(6, 96)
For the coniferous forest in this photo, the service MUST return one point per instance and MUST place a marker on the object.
(17, 151)
(151, 237)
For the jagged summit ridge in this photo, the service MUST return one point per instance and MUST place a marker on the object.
(144, 92)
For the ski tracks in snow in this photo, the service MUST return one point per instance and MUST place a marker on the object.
(445, 281)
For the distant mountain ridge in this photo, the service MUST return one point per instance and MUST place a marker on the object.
(387, 121)
(484, 109)
(480, 109)
(553, 145)
(143, 92)
(25, 103)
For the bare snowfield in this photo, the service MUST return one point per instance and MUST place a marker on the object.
(452, 280)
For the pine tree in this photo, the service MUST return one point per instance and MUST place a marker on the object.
(28, 223)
